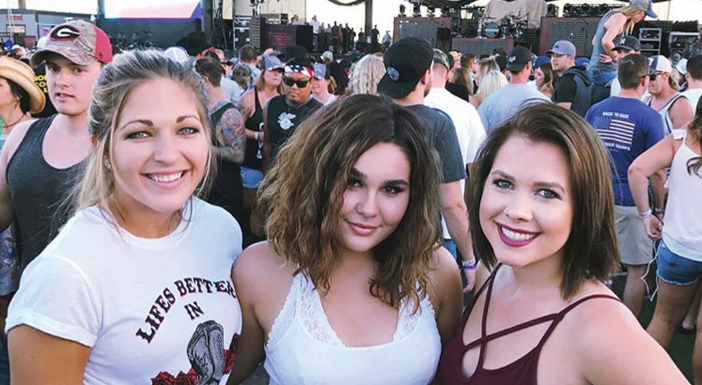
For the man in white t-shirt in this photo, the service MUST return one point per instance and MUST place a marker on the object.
(694, 81)
(469, 127)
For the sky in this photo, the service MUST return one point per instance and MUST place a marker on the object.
(383, 10)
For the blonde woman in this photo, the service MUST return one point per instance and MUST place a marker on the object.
(489, 83)
(136, 288)
(366, 75)
(603, 62)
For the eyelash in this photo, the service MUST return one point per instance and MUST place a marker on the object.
(143, 134)
(391, 190)
(544, 193)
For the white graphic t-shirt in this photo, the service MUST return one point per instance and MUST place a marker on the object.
(153, 311)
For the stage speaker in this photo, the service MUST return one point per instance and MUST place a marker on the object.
(482, 46)
(578, 31)
(281, 36)
(257, 26)
(437, 35)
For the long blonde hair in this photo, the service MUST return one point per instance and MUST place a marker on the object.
(366, 75)
(628, 11)
(127, 71)
(490, 83)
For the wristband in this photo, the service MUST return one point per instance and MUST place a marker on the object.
(659, 211)
(645, 213)
(256, 135)
(469, 265)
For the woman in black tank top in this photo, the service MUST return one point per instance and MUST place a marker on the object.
(550, 226)
(267, 86)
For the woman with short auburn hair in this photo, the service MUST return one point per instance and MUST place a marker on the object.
(543, 225)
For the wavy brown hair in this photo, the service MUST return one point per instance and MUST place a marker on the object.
(591, 249)
(303, 195)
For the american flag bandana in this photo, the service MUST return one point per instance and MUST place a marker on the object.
(298, 69)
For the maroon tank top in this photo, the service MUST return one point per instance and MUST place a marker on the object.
(522, 371)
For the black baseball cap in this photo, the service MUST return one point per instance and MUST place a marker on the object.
(518, 58)
(405, 61)
(628, 42)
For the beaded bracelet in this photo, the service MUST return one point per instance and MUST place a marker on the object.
(469, 265)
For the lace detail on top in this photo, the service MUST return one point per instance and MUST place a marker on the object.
(286, 316)
(303, 300)
(312, 314)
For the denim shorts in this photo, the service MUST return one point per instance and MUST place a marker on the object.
(251, 178)
(602, 76)
(676, 270)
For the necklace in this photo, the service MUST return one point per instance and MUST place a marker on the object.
(16, 122)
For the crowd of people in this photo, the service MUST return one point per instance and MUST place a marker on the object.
(326, 217)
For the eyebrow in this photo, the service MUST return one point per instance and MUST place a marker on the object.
(70, 64)
(551, 185)
(149, 123)
(395, 182)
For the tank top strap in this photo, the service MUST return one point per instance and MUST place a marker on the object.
(469, 308)
(558, 317)
(33, 139)
(489, 283)
(258, 103)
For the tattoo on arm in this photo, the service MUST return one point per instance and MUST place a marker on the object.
(232, 134)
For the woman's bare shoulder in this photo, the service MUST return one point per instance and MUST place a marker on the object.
(259, 264)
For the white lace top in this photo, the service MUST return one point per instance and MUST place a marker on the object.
(303, 348)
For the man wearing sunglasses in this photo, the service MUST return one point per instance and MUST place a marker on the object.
(628, 127)
(673, 107)
(285, 112)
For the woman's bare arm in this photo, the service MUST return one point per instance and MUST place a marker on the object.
(40, 358)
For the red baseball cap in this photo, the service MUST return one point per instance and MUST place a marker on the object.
(78, 41)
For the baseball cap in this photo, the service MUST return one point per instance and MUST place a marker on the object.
(660, 63)
(177, 54)
(562, 47)
(628, 42)
(644, 5)
(442, 58)
(518, 57)
(582, 62)
(272, 62)
(320, 71)
(682, 66)
(405, 62)
(78, 41)
(541, 60)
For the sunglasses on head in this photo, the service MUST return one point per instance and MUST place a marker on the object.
(300, 83)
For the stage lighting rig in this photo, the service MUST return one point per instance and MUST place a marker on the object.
(431, 11)
(445, 11)
(551, 10)
(402, 10)
(416, 10)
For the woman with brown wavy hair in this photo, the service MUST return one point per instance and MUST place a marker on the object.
(352, 286)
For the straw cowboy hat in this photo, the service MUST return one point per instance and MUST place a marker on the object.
(23, 76)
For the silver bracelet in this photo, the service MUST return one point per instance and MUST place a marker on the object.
(645, 213)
